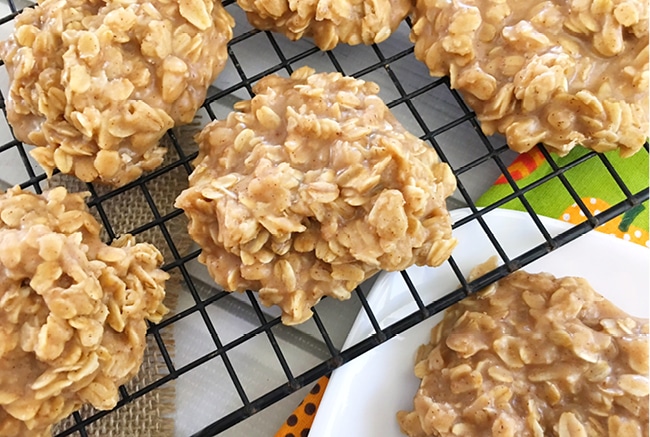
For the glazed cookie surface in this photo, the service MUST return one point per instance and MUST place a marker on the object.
(329, 22)
(95, 84)
(310, 188)
(73, 310)
(532, 355)
(560, 73)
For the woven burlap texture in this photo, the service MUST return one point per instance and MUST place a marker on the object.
(150, 415)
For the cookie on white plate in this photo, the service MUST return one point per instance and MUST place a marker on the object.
(532, 355)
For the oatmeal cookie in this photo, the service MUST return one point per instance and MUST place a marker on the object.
(96, 83)
(329, 22)
(310, 188)
(533, 355)
(72, 310)
(561, 73)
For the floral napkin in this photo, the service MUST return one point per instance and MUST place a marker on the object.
(594, 179)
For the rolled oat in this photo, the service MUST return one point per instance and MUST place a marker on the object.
(533, 356)
(310, 188)
(72, 310)
(560, 73)
(95, 84)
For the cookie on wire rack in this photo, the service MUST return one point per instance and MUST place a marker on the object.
(73, 310)
(95, 84)
(558, 73)
(329, 22)
(312, 187)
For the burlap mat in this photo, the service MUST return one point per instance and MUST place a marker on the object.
(152, 414)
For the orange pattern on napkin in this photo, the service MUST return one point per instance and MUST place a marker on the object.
(299, 423)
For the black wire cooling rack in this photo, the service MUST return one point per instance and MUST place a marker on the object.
(413, 96)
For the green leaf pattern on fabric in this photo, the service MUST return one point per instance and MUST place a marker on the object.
(591, 180)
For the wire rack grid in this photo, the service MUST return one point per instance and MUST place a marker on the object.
(427, 107)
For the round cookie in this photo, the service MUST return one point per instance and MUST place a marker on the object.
(310, 188)
(72, 310)
(329, 22)
(532, 355)
(560, 73)
(95, 84)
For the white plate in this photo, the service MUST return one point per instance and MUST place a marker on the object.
(363, 396)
